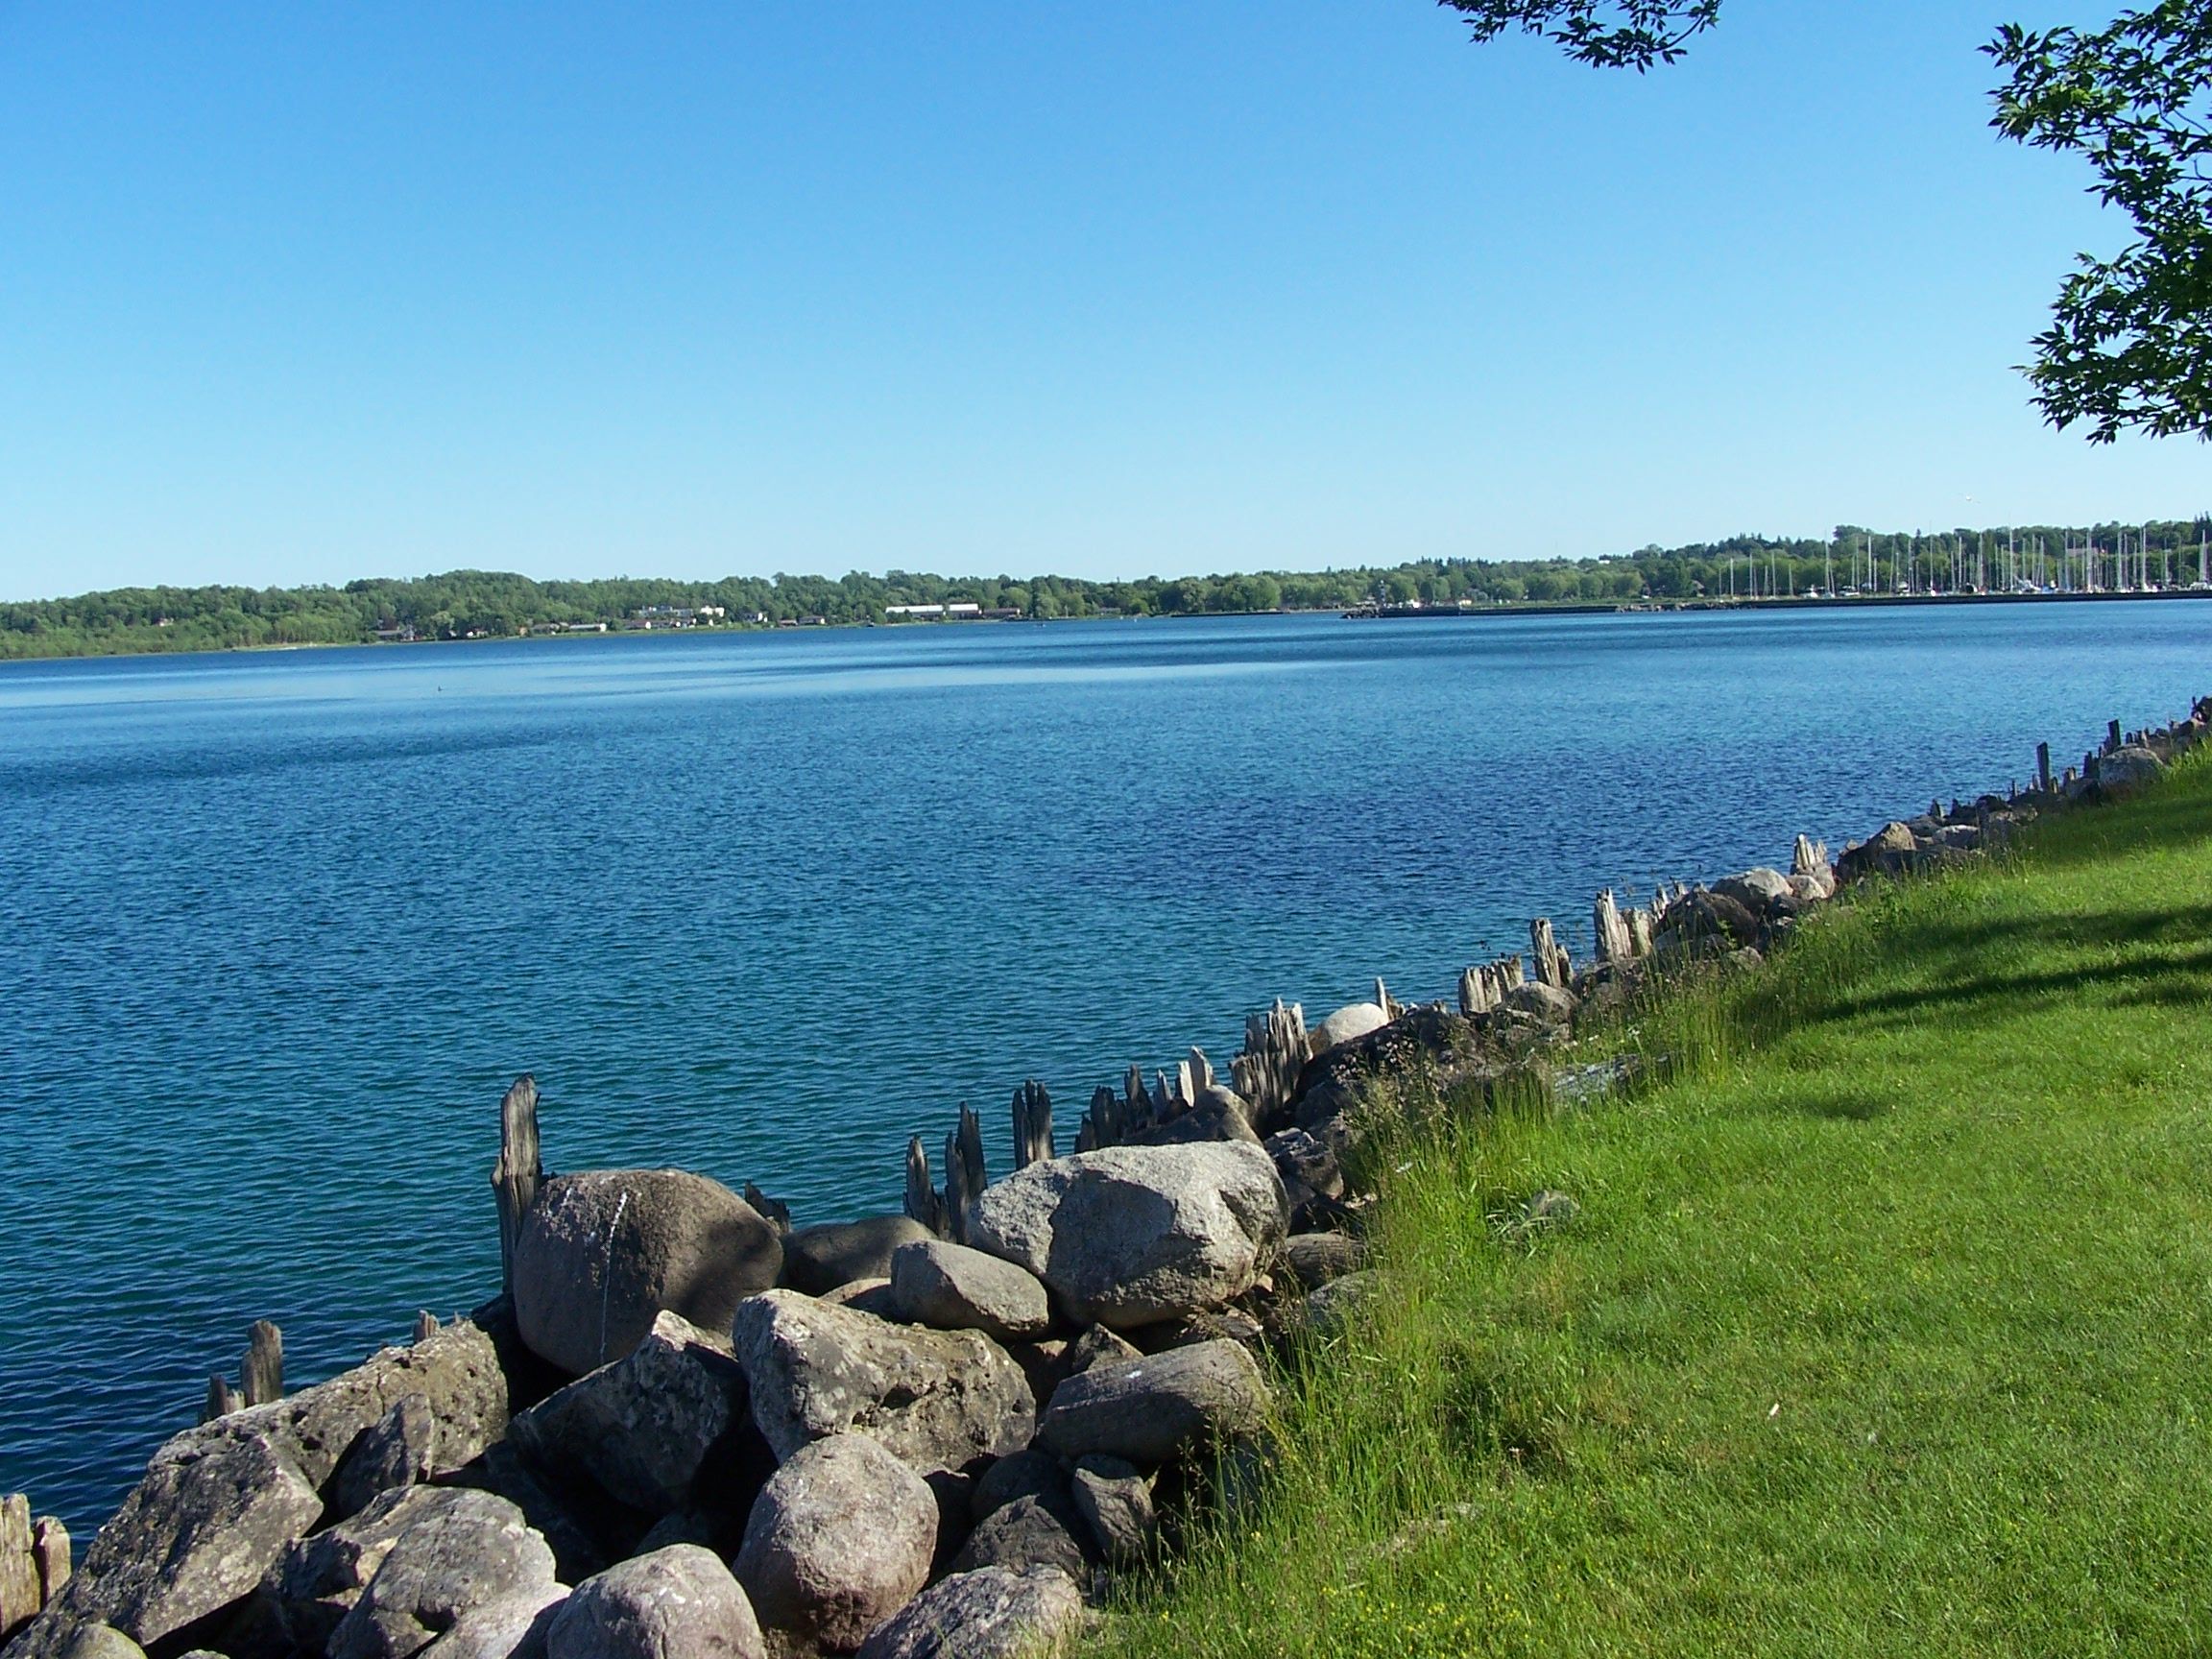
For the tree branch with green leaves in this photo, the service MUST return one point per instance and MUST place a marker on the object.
(1609, 33)
(2131, 338)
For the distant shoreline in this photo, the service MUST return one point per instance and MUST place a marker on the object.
(1365, 613)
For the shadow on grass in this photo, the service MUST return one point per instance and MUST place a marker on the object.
(1986, 972)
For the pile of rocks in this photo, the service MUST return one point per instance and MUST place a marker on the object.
(657, 1443)
(685, 1429)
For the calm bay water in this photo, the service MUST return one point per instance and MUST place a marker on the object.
(277, 931)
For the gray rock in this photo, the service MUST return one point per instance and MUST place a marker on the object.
(988, 1614)
(1548, 1003)
(1146, 1410)
(679, 1603)
(600, 1254)
(217, 1507)
(98, 1641)
(469, 1552)
(456, 1369)
(1755, 889)
(1025, 1474)
(511, 1627)
(399, 1450)
(1130, 1236)
(220, 1503)
(1330, 1305)
(1348, 1024)
(952, 1287)
(1218, 1115)
(818, 1260)
(1115, 1503)
(1304, 1160)
(1040, 1531)
(642, 1426)
(1098, 1346)
(578, 1549)
(840, 1539)
(937, 1398)
(317, 1581)
(1317, 1258)
(858, 1294)
(2128, 769)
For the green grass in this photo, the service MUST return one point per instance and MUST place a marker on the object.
(1884, 1326)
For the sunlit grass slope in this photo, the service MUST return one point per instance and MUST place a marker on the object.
(1886, 1329)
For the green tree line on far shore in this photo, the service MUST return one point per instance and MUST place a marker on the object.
(479, 604)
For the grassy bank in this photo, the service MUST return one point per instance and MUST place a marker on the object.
(1885, 1329)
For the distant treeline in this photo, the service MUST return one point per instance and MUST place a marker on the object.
(475, 604)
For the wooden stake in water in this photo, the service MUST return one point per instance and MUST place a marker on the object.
(516, 1177)
(262, 1375)
(1032, 1125)
(923, 1203)
(20, 1598)
(964, 1177)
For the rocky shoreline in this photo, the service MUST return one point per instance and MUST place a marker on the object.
(684, 1428)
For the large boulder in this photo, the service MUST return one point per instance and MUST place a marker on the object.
(1354, 1020)
(602, 1253)
(839, 1539)
(991, 1613)
(679, 1603)
(818, 1260)
(937, 1398)
(952, 1287)
(1131, 1236)
(642, 1426)
(1756, 890)
(2127, 769)
(1146, 1410)
(217, 1507)
(468, 1550)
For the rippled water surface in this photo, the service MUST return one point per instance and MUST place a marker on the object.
(275, 930)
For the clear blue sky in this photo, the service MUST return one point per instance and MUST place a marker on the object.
(303, 292)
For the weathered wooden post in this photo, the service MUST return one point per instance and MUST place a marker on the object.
(964, 1176)
(50, 1554)
(222, 1400)
(1611, 931)
(515, 1178)
(1265, 1072)
(262, 1375)
(2111, 736)
(2043, 767)
(425, 1326)
(1549, 958)
(923, 1204)
(1032, 1125)
(20, 1598)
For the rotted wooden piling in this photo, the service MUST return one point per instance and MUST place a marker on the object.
(261, 1378)
(964, 1173)
(1032, 1125)
(923, 1203)
(1265, 1072)
(516, 1177)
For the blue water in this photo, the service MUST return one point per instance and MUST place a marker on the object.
(277, 931)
